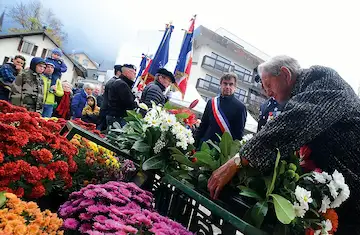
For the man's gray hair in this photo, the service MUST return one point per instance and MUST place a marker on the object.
(89, 85)
(274, 64)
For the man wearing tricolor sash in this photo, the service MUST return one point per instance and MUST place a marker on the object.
(223, 113)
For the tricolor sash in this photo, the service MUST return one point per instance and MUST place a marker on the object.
(219, 115)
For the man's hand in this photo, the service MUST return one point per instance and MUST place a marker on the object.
(221, 177)
(53, 87)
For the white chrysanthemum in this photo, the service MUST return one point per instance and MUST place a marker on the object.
(170, 119)
(319, 177)
(325, 204)
(343, 196)
(326, 176)
(159, 145)
(339, 179)
(326, 227)
(300, 210)
(182, 144)
(191, 140)
(333, 189)
(309, 179)
(144, 106)
(303, 196)
(164, 127)
(155, 122)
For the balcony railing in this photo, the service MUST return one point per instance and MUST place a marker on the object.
(215, 88)
(216, 65)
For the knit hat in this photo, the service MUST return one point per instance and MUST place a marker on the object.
(57, 51)
(166, 73)
(50, 63)
(35, 61)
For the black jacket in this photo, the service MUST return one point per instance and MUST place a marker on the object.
(153, 92)
(270, 108)
(235, 112)
(323, 113)
(120, 97)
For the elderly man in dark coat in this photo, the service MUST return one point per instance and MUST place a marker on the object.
(323, 112)
(154, 92)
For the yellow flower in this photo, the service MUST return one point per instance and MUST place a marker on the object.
(10, 195)
(107, 162)
(20, 229)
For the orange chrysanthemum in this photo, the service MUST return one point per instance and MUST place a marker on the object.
(333, 217)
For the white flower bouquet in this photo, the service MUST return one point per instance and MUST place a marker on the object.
(304, 203)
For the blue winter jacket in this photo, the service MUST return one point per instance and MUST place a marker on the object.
(60, 67)
(78, 103)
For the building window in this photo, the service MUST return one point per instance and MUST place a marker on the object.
(241, 94)
(34, 50)
(206, 99)
(6, 59)
(43, 53)
(85, 62)
(49, 53)
(220, 58)
(243, 73)
(27, 47)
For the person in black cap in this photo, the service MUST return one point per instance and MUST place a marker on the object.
(119, 96)
(155, 90)
(104, 108)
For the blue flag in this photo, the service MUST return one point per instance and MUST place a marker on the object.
(142, 65)
(162, 55)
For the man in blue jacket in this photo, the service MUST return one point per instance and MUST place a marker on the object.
(223, 113)
(79, 101)
(268, 111)
(8, 73)
(60, 66)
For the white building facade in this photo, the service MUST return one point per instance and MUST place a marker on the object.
(34, 44)
(216, 53)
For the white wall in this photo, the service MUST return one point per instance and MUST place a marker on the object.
(8, 47)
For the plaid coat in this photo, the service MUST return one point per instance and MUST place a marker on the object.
(324, 113)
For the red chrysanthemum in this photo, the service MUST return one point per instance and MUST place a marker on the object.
(42, 156)
(309, 231)
(19, 192)
(333, 217)
(51, 175)
(1, 157)
(37, 191)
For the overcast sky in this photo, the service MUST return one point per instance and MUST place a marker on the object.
(314, 32)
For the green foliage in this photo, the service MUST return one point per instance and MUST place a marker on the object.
(2, 199)
(154, 163)
(258, 213)
(284, 209)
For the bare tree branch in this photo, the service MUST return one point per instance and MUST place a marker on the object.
(33, 16)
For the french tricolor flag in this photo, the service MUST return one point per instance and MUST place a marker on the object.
(183, 66)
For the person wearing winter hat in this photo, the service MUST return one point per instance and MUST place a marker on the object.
(60, 66)
(50, 91)
(154, 92)
(27, 90)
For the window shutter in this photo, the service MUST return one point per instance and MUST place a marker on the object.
(20, 44)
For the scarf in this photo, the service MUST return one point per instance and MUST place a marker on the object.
(64, 107)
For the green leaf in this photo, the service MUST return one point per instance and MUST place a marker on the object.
(267, 181)
(176, 151)
(248, 192)
(141, 147)
(206, 159)
(181, 116)
(183, 159)
(271, 188)
(258, 213)
(235, 148)
(149, 139)
(225, 147)
(283, 208)
(154, 163)
(215, 146)
(205, 147)
(2, 199)
(169, 106)
(183, 174)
